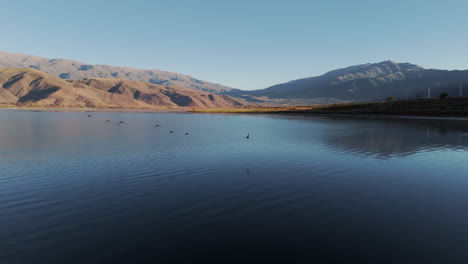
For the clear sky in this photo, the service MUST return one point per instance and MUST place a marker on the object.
(243, 44)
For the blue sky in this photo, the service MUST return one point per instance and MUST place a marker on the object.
(243, 44)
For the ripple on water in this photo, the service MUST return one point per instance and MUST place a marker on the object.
(301, 184)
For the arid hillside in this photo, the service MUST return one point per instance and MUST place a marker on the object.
(366, 83)
(75, 70)
(27, 86)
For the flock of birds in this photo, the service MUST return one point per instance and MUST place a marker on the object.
(157, 125)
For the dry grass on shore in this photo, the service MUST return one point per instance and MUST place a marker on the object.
(427, 107)
(270, 109)
(431, 107)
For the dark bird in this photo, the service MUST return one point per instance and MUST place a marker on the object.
(156, 125)
(107, 121)
(248, 136)
(122, 122)
(171, 132)
(187, 134)
(89, 115)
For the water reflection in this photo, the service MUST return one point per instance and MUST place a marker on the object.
(398, 137)
(301, 187)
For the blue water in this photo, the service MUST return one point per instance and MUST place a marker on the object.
(74, 189)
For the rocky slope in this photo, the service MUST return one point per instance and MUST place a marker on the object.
(74, 70)
(368, 82)
(31, 86)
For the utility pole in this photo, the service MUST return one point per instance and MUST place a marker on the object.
(429, 93)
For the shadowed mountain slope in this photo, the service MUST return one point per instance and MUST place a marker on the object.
(75, 70)
(27, 85)
(368, 82)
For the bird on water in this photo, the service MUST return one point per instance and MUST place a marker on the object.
(122, 123)
(248, 135)
(108, 121)
(171, 132)
(89, 115)
(187, 133)
(157, 125)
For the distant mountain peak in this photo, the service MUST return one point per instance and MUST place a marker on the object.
(374, 70)
(369, 81)
(389, 62)
(75, 70)
(403, 66)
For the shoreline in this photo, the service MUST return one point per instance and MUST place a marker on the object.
(369, 115)
(83, 109)
(456, 107)
(281, 113)
(448, 108)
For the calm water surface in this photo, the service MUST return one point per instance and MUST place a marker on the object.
(74, 189)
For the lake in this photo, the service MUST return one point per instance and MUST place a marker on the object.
(75, 189)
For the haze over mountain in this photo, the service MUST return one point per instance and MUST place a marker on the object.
(75, 70)
(367, 82)
(34, 87)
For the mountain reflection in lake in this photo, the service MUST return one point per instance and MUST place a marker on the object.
(399, 137)
(74, 189)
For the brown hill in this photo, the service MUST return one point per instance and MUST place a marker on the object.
(75, 70)
(30, 86)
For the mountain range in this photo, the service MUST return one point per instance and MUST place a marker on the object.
(27, 86)
(74, 70)
(366, 82)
